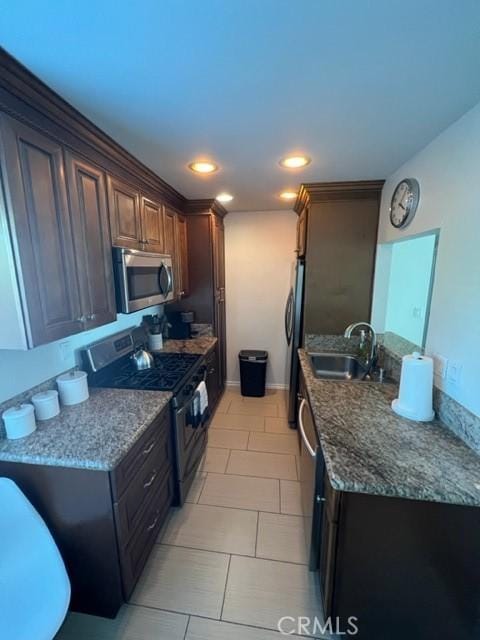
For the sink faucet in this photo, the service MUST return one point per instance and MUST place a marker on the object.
(370, 361)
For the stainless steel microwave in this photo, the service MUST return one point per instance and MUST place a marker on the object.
(141, 279)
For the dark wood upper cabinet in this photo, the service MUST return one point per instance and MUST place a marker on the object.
(341, 220)
(37, 203)
(169, 226)
(302, 232)
(182, 256)
(125, 219)
(153, 237)
(91, 235)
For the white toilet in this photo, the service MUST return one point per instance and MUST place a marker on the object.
(34, 586)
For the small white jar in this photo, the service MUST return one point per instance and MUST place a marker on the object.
(46, 404)
(155, 341)
(19, 421)
(73, 387)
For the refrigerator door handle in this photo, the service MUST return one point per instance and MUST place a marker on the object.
(288, 317)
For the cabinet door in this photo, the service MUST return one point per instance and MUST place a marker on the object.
(125, 223)
(92, 243)
(219, 278)
(170, 248)
(152, 226)
(182, 256)
(302, 233)
(40, 223)
(212, 381)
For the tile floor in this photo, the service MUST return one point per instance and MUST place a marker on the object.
(232, 561)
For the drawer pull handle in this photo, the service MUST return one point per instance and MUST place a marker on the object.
(151, 481)
(148, 449)
(153, 525)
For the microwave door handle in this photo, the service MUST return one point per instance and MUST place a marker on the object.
(161, 269)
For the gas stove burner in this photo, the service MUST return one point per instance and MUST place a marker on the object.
(167, 373)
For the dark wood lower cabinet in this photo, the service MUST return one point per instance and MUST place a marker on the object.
(213, 378)
(105, 523)
(403, 568)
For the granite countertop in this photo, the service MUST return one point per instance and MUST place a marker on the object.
(369, 449)
(95, 434)
(201, 345)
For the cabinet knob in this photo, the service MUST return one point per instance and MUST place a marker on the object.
(91, 316)
(81, 319)
(320, 499)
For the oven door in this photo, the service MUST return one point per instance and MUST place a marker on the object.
(190, 445)
(142, 279)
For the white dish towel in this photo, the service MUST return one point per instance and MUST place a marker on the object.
(203, 393)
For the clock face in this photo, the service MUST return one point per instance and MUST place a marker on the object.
(404, 202)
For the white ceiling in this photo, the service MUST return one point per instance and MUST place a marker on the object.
(359, 85)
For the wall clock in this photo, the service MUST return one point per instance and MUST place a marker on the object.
(404, 202)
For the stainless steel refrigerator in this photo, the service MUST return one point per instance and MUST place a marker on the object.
(294, 334)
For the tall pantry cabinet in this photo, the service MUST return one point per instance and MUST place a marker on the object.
(206, 250)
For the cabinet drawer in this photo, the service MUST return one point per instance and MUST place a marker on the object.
(139, 454)
(129, 511)
(134, 555)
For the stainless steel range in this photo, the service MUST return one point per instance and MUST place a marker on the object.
(111, 365)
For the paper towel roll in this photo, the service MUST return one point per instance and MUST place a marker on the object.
(416, 388)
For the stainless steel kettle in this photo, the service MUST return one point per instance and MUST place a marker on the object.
(142, 359)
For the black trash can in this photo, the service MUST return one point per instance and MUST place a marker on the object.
(253, 370)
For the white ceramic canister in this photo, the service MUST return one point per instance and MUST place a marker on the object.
(19, 421)
(73, 387)
(46, 404)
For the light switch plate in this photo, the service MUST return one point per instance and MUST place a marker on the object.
(454, 372)
(64, 348)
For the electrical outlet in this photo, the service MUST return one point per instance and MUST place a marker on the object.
(65, 351)
(454, 372)
(440, 365)
(417, 313)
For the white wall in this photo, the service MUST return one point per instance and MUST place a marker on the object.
(259, 249)
(22, 370)
(448, 170)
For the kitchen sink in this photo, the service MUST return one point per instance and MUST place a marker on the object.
(337, 366)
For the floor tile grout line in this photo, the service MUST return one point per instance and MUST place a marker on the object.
(226, 585)
(186, 628)
(256, 533)
(222, 553)
(204, 617)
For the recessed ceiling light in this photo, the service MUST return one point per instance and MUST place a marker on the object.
(288, 195)
(224, 197)
(295, 162)
(203, 166)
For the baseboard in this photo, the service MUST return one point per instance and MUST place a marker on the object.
(271, 385)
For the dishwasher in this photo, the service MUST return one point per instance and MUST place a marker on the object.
(312, 472)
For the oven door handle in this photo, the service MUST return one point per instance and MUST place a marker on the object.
(307, 444)
(196, 417)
